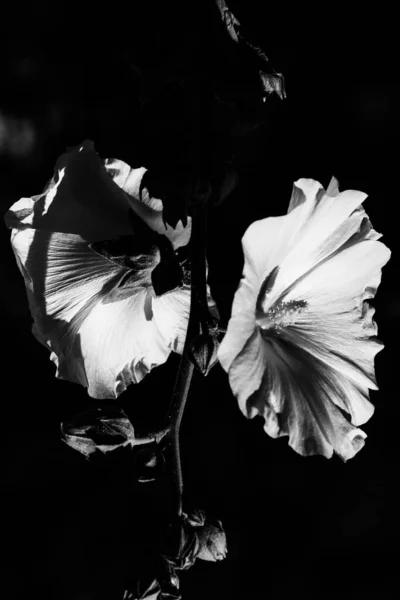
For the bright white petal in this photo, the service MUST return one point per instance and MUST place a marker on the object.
(264, 246)
(324, 225)
(241, 325)
(129, 180)
(311, 233)
(120, 344)
(171, 315)
(304, 190)
(102, 335)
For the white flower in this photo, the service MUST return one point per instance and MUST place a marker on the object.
(96, 311)
(301, 341)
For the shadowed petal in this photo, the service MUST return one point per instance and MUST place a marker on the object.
(295, 398)
(92, 199)
(88, 248)
(95, 315)
(337, 327)
(81, 198)
(148, 208)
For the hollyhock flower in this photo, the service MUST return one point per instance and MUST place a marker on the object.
(102, 272)
(301, 341)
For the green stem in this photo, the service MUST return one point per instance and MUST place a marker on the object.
(183, 381)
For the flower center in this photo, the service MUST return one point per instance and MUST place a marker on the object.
(280, 315)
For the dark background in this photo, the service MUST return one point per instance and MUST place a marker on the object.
(312, 527)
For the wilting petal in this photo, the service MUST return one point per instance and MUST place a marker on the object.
(95, 315)
(301, 341)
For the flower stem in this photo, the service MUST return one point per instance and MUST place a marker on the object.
(198, 298)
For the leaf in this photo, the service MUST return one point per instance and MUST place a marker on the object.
(100, 429)
(270, 80)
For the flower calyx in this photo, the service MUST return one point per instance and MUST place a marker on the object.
(203, 348)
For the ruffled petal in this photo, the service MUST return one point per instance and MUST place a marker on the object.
(93, 312)
(94, 315)
(120, 343)
(311, 233)
(92, 198)
(148, 208)
(301, 341)
(295, 397)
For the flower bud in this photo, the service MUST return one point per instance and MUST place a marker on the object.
(213, 545)
(203, 352)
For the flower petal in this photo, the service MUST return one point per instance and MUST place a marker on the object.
(301, 342)
(241, 325)
(171, 315)
(103, 334)
(120, 344)
(312, 231)
(295, 397)
(148, 208)
(92, 199)
(80, 199)
(337, 327)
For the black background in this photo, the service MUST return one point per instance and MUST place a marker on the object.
(312, 527)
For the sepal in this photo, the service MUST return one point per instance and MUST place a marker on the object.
(203, 351)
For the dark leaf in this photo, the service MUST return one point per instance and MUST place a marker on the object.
(100, 429)
(270, 80)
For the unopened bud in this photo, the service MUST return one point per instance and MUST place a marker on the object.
(203, 352)
(213, 545)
